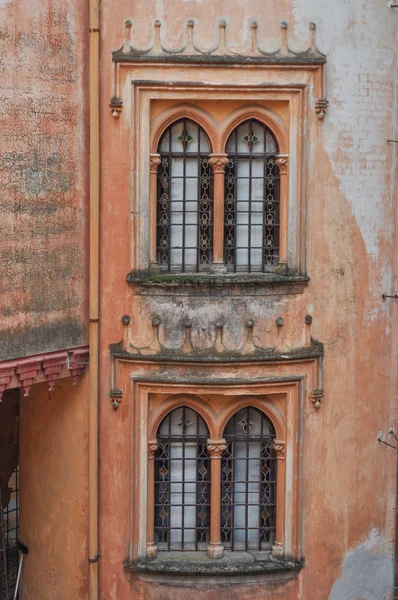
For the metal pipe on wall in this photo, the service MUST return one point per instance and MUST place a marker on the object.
(93, 551)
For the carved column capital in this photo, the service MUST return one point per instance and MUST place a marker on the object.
(282, 162)
(218, 162)
(154, 162)
(215, 448)
(279, 447)
(152, 447)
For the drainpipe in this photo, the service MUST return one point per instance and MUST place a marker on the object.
(93, 551)
(396, 536)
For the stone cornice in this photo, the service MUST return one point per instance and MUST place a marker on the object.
(221, 52)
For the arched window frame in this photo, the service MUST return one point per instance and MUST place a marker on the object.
(216, 422)
(218, 134)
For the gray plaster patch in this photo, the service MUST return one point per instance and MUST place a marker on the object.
(367, 572)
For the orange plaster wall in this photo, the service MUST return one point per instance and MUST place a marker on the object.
(348, 490)
(53, 491)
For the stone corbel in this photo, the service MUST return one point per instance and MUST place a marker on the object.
(27, 371)
(78, 363)
(115, 396)
(116, 106)
(321, 107)
(6, 372)
(52, 368)
(316, 397)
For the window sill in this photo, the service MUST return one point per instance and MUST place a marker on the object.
(235, 567)
(197, 284)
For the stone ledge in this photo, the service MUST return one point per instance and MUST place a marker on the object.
(234, 567)
(262, 284)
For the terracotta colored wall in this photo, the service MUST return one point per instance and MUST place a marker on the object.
(53, 491)
(350, 246)
(43, 175)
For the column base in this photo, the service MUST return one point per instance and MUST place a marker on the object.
(218, 269)
(154, 268)
(151, 551)
(277, 550)
(215, 550)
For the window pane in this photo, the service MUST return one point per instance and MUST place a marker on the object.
(248, 492)
(251, 218)
(182, 482)
(185, 199)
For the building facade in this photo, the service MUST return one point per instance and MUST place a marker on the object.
(202, 196)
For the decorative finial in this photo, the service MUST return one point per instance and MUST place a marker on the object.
(312, 36)
(284, 47)
(157, 47)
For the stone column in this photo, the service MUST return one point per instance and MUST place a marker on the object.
(151, 550)
(215, 448)
(218, 162)
(282, 162)
(277, 548)
(154, 163)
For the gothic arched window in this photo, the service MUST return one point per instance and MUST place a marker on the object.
(184, 199)
(182, 482)
(252, 198)
(248, 473)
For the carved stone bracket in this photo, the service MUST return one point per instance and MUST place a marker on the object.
(52, 368)
(321, 107)
(116, 397)
(215, 448)
(279, 447)
(78, 364)
(6, 373)
(316, 397)
(116, 106)
(27, 372)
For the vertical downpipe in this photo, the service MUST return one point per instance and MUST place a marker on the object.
(93, 551)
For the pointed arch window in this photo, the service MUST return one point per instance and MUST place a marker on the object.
(252, 200)
(248, 473)
(184, 237)
(182, 482)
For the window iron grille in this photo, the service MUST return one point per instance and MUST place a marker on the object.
(182, 483)
(248, 488)
(184, 199)
(252, 200)
(11, 533)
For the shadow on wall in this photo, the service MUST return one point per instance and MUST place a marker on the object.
(367, 572)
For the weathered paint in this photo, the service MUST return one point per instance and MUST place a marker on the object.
(350, 241)
(347, 485)
(43, 176)
(367, 572)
